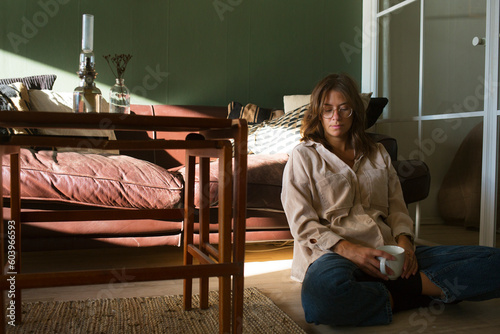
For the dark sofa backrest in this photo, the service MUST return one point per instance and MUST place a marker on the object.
(167, 158)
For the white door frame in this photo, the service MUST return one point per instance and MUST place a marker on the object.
(369, 75)
(487, 230)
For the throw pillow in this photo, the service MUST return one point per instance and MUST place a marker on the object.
(48, 100)
(292, 102)
(277, 136)
(44, 81)
(252, 112)
(374, 110)
(365, 97)
(14, 97)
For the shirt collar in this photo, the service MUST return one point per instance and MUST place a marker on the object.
(327, 155)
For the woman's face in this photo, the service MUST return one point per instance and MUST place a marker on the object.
(337, 127)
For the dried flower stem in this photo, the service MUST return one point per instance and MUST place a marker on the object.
(120, 61)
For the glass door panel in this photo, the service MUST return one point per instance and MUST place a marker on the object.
(452, 150)
(453, 69)
(398, 77)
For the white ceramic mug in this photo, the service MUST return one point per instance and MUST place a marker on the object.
(396, 265)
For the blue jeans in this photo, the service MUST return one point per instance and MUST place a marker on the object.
(336, 292)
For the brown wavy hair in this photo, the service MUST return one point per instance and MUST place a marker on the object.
(312, 129)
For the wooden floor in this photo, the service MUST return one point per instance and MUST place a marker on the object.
(267, 268)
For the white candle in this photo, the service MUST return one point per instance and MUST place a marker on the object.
(88, 33)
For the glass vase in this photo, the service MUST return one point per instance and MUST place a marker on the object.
(119, 98)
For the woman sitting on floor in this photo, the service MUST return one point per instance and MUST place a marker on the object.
(343, 199)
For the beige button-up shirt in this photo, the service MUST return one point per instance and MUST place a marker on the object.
(326, 201)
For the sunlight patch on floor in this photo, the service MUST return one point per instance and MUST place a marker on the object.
(259, 268)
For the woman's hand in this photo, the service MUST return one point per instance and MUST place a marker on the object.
(364, 257)
(411, 265)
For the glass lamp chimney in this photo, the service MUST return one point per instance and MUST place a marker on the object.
(87, 97)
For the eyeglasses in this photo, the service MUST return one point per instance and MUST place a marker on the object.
(343, 111)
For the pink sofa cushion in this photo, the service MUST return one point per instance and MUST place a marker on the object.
(94, 179)
(264, 180)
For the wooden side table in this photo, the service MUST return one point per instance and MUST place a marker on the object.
(225, 261)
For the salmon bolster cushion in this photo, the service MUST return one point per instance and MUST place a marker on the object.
(104, 180)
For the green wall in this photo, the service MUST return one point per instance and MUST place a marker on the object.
(188, 51)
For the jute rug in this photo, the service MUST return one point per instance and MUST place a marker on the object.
(149, 315)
